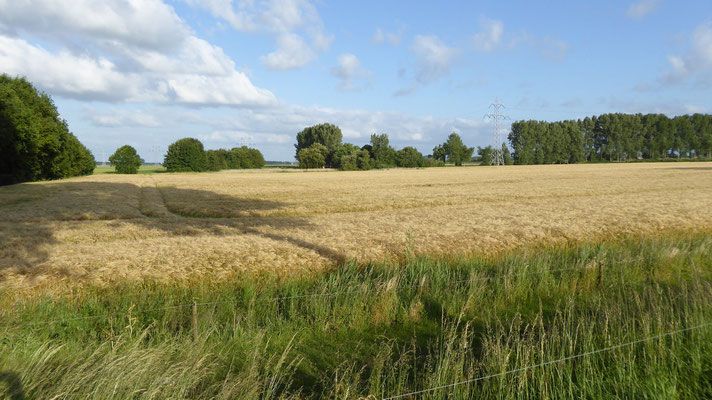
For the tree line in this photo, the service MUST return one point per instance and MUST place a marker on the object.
(35, 143)
(321, 146)
(612, 137)
(188, 155)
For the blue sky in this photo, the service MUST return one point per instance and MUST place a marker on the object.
(148, 72)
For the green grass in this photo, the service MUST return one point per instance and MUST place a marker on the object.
(145, 169)
(384, 329)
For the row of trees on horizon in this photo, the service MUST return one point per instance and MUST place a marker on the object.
(321, 146)
(36, 144)
(612, 137)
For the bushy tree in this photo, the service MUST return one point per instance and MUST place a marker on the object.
(455, 150)
(485, 154)
(313, 156)
(345, 149)
(328, 135)
(125, 160)
(216, 160)
(185, 155)
(364, 161)
(409, 157)
(382, 154)
(35, 143)
(246, 158)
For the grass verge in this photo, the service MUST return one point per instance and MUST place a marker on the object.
(385, 329)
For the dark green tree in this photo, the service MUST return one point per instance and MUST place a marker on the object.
(125, 160)
(485, 154)
(455, 150)
(382, 154)
(409, 157)
(313, 156)
(345, 149)
(326, 134)
(185, 155)
(35, 143)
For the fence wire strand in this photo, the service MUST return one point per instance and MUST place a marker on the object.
(588, 353)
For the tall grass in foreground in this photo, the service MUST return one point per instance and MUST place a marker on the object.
(379, 330)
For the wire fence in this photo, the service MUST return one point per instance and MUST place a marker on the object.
(195, 304)
(560, 360)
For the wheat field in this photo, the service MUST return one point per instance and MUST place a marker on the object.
(108, 228)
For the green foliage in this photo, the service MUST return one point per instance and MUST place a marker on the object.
(382, 153)
(126, 160)
(345, 149)
(326, 134)
(485, 155)
(409, 157)
(35, 143)
(245, 158)
(352, 158)
(313, 156)
(217, 160)
(453, 150)
(506, 154)
(185, 155)
(388, 329)
(612, 137)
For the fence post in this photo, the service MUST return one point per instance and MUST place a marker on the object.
(600, 273)
(195, 321)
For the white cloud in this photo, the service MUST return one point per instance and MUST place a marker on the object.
(63, 73)
(121, 118)
(696, 63)
(146, 24)
(350, 71)
(130, 51)
(434, 58)
(490, 37)
(289, 21)
(291, 52)
(641, 8)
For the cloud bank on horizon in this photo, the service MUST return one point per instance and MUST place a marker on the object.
(148, 72)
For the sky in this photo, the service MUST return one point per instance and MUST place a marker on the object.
(255, 72)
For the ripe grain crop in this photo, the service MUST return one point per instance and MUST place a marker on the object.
(105, 228)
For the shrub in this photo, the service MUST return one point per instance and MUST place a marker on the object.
(185, 155)
(125, 160)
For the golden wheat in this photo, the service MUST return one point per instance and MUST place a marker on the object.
(104, 228)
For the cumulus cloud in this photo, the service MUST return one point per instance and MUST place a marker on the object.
(291, 52)
(696, 63)
(490, 37)
(128, 52)
(291, 22)
(350, 72)
(147, 24)
(641, 8)
(434, 58)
